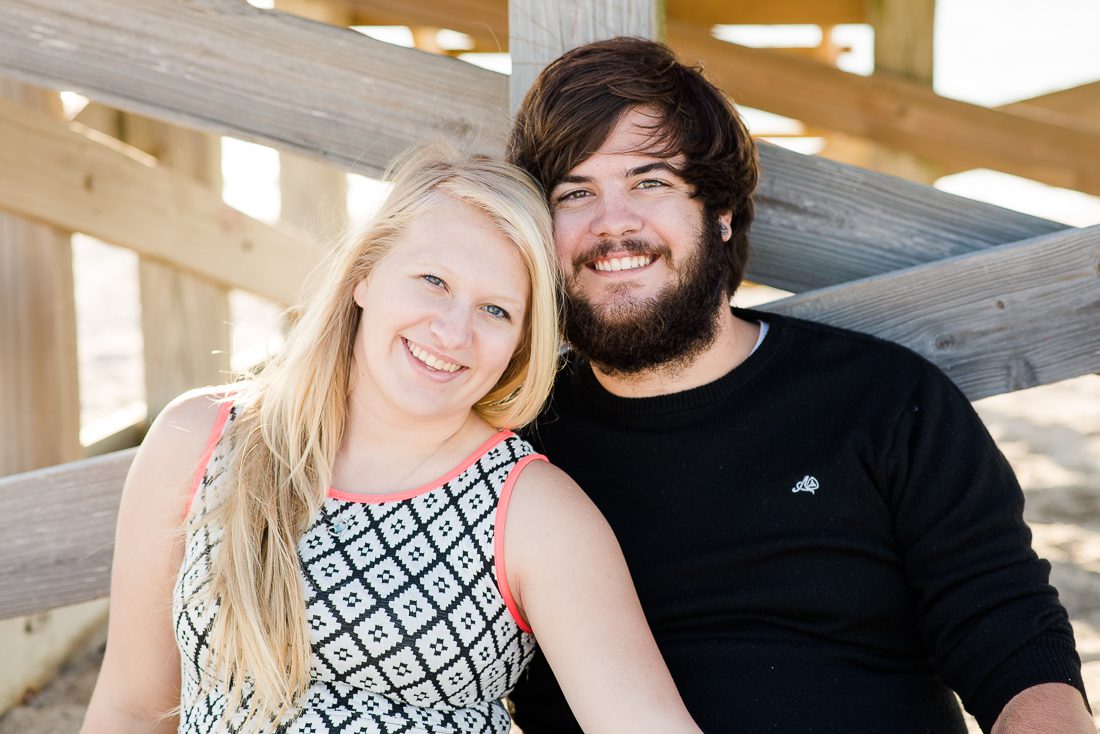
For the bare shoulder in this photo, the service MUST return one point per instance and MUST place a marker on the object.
(546, 495)
(175, 444)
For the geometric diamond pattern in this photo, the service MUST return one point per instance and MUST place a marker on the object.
(408, 627)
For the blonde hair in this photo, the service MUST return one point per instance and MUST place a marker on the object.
(293, 415)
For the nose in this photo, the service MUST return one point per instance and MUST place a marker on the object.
(616, 216)
(452, 326)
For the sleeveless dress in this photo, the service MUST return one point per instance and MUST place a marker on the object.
(411, 622)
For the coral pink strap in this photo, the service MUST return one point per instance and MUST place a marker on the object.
(498, 538)
(211, 444)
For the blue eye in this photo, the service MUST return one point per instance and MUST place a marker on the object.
(497, 312)
(434, 280)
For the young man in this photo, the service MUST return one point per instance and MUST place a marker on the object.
(822, 533)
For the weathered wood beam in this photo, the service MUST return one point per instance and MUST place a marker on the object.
(1074, 106)
(484, 21)
(46, 559)
(87, 182)
(898, 113)
(819, 222)
(1006, 319)
(1081, 102)
(261, 75)
(773, 12)
(541, 30)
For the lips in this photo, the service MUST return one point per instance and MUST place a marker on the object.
(431, 361)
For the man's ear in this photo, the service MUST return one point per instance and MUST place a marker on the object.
(724, 219)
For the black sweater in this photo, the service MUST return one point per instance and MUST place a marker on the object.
(824, 540)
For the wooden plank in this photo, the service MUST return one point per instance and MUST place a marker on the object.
(313, 195)
(898, 113)
(124, 198)
(46, 559)
(904, 47)
(1005, 319)
(1074, 106)
(184, 317)
(541, 30)
(773, 12)
(261, 75)
(820, 223)
(1081, 102)
(39, 400)
(484, 21)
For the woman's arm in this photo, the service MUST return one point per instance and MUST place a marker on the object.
(140, 678)
(570, 582)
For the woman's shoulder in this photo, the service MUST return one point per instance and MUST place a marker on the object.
(192, 416)
(179, 438)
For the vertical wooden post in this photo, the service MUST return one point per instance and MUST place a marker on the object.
(39, 405)
(314, 194)
(184, 318)
(541, 30)
(904, 40)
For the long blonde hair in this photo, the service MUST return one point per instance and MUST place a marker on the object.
(292, 417)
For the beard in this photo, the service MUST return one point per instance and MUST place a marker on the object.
(665, 332)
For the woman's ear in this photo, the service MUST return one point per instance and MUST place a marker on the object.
(359, 293)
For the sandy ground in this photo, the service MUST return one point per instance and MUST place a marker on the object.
(1050, 434)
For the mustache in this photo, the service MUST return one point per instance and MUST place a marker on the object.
(634, 246)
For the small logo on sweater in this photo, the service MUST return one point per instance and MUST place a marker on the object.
(808, 484)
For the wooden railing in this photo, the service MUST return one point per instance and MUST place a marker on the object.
(999, 299)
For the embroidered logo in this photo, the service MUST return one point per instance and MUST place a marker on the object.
(808, 484)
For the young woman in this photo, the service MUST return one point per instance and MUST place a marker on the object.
(365, 546)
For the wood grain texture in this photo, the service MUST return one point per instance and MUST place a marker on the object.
(51, 556)
(890, 110)
(820, 223)
(541, 30)
(224, 66)
(86, 182)
(184, 317)
(39, 395)
(1018, 316)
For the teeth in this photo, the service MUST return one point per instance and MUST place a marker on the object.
(431, 360)
(623, 263)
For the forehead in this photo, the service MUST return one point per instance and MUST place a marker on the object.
(459, 238)
(638, 135)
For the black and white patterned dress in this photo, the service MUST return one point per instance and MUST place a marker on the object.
(412, 625)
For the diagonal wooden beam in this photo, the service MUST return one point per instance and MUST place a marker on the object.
(1074, 106)
(1081, 102)
(811, 213)
(898, 113)
(46, 559)
(820, 223)
(227, 67)
(74, 178)
(1006, 319)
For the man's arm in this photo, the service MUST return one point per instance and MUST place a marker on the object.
(1056, 708)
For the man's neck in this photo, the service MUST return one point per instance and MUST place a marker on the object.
(732, 345)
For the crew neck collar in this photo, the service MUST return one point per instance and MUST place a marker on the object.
(692, 400)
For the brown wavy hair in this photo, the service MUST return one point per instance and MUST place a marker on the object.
(579, 97)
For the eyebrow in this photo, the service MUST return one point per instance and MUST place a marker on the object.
(630, 172)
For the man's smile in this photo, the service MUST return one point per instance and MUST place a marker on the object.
(622, 262)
